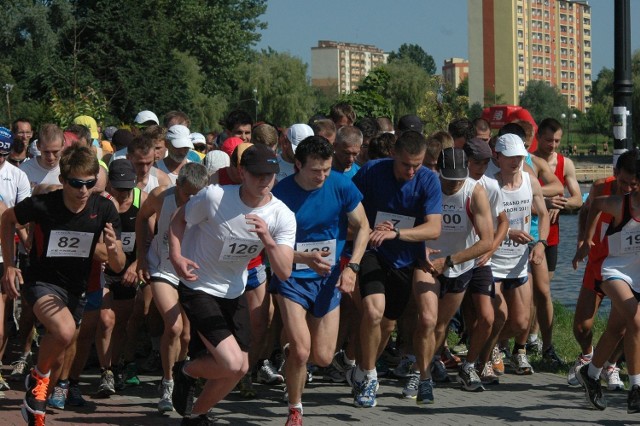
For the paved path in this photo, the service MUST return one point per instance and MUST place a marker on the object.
(543, 398)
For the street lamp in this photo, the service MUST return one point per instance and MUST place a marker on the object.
(568, 119)
(8, 88)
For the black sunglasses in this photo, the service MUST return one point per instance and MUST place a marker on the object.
(16, 162)
(79, 183)
(4, 154)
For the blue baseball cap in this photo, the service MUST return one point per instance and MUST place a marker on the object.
(6, 139)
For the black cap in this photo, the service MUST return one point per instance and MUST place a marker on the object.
(410, 122)
(453, 164)
(477, 149)
(259, 159)
(122, 174)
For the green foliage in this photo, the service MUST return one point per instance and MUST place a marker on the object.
(406, 87)
(543, 100)
(415, 54)
(463, 87)
(283, 94)
(89, 102)
(475, 111)
(441, 105)
(368, 99)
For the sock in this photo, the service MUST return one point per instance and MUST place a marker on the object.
(589, 355)
(41, 375)
(594, 372)
(467, 365)
(607, 364)
(296, 406)
(155, 343)
(351, 362)
(533, 338)
(359, 376)
(634, 380)
(167, 382)
(517, 347)
(24, 356)
(371, 374)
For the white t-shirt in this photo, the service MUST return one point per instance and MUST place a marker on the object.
(220, 242)
(286, 168)
(39, 175)
(172, 176)
(14, 186)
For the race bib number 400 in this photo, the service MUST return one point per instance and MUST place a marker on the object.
(399, 221)
(239, 249)
(69, 244)
(328, 246)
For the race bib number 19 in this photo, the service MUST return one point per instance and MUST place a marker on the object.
(238, 249)
(69, 244)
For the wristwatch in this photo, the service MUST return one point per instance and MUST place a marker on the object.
(544, 243)
(449, 262)
(354, 267)
(397, 231)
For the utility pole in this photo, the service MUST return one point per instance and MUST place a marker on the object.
(622, 83)
(8, 88)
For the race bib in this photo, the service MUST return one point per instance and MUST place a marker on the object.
(239, 249)
(322, 246)
(511, 248)
(128, 241)
(454, 220)
(399, 221)
(69, 244)
(630, 241)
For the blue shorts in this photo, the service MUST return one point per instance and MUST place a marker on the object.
(256, 277)
(94, 301)
(318, 296)
(512, 283)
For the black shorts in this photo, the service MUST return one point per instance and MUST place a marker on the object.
(551, 253)
(35, 290)
(454, 284)
(512, 283)
(215, 318)
(482, 281)
(118, 290)
(376, 277)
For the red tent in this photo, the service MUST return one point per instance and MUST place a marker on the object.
(499, 115)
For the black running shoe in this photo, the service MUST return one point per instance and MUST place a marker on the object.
(592, 388)
(183, 390)
(633, 400)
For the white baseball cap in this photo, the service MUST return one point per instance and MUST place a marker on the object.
(297, 133)
(179, 136)
(197, 138)
(511, 145)
(145, 116)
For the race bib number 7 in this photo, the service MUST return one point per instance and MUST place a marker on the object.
(69, 244)
(399, 221)
(239, 249)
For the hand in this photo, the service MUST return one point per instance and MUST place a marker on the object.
(485, 258)
(11, 275)
(387, 225)
(185, 268)
(346, 281)
(520, 236)
(109, 238)
(377, 237)
(556, 202)
(537, 254)
(582, 251)
(142, 270)
(553, 215)
(130, 276)
(316, 261)
(429, 265)
(259, 227)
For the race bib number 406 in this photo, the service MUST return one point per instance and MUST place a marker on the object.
(69, 244)
(239, 249)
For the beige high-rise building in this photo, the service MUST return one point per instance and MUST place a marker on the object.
(514, 41)
(454, 71)
(337, 67)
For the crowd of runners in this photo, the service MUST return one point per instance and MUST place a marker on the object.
(343, 248)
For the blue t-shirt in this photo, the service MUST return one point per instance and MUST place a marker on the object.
(351, 172)
(321, 215)
(414, 199)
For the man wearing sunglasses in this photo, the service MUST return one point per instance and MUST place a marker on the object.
(73, 227)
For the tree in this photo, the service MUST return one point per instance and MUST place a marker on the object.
(406, 87)
(441, 105)
(543, 100)
(283, 93)
(415, 54)
(368, 99)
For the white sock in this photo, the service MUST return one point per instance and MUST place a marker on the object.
(359, 375)
(42, 375)
(296, 406)
(533, 338)
(371, 374)
(589, 355)
(594, 372)
(607, 364)
(634, 380)
(167, 381)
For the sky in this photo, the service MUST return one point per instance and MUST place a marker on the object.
(438, 26)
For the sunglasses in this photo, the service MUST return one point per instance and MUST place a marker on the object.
(4, 154)
(79, 183)
(16, 162)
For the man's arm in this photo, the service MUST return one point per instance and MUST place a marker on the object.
(552, 185)
(359, 223)
(571, 182)
(537, 253)
(184, 267)
(7, 230)
(149, 208)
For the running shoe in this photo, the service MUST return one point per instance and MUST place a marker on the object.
(497, 363)
(520, 363)
(3, 383)
(425, 392)
(245, 387)
(34, 406)
(551, 358)
(404, 368)
(460, 349)
(592, 388)
(439, 372)
(74, 397)
(59, 396)
(366, 396)
(201, 420)
(20, 370)
(410, 389)
(295, 417)
(572, 380)
(633, 400)
(611, 375)
(488, 375)
(391, 355)
(268, 374)
(183, 390)
(152, 363)
(469, 380)
(331, 374)
(107, 384)
(118, 377)
(131, 374)
(534, 347)
(165, 404)
(451, 361)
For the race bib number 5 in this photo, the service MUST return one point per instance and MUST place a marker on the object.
(128, 241)
(238, 249)
(321, 246)
(399, 221)
(69, 244)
